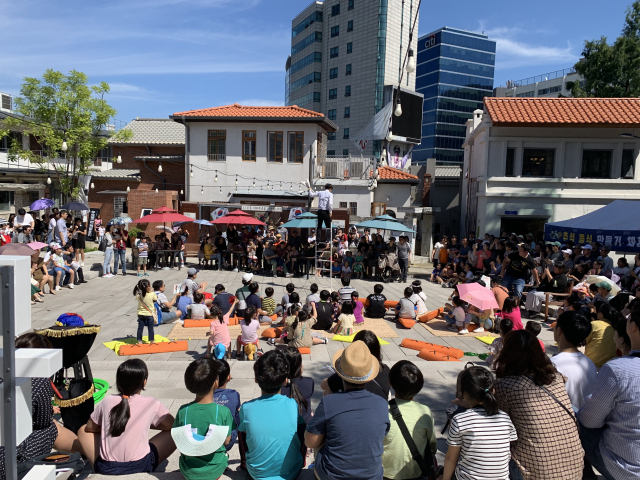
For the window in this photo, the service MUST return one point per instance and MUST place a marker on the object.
(343, 205)
(347, 112)
(525, 94)
(545, 91)
(308, 60)
(345, 152)
(335, 31)
(333, 53)
(348, 70)
(347, 91)
(274, 146)
(333, 73)
(335, 10)
(596, 163)
(349, 47)
(350, 7)
(6, 200)
(331, 153)
(332, 136)
(350, 26)
(118, 205)
(217, 145)
(538, 162)
(346, 133)
(309, 40)
(353, 208)
(511, 156)
(304, 81)
(628, 162)
(378, 209)
(332, 114)
(249, 145)
(333, 94)
(307, 22)
(296, 147)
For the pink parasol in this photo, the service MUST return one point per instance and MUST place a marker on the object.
(163, 215)
(477, 295)
(37, 245)
(237, 217)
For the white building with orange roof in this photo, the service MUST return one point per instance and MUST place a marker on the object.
(529, 161)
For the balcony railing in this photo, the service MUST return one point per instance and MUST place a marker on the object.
(344, 168)
(22, 163)
(217, 157)
(544, 77)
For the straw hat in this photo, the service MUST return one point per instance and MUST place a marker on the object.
(356, 364)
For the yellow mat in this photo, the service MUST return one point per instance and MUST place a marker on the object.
(487, 340)
(349, 339)
(116, 344)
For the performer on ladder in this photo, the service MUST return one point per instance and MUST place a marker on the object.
(325, 208)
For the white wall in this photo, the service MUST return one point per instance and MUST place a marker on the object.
(399, 196)
(260, 169)
(351, 193)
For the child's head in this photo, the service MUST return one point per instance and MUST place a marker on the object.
(143, 240)
(458, 302)
(224, 372)
(349, 253)
(347, 308)
(313, 288)
(201, 376)
(254, 287)
(198, 297)
(219, 288)
(131, 378)
(405, 379)
(295, 370)
(574, 327)
(142, 288)
(477, 385)
(378, 288)
(269, 292)
(533, 328)
(510, 304)
(408, 292)
(440, 266)
(158, 286)
(346, 281)
(506, 326)
(216, 312)
(271, 371)
(336, 263)
(294, 298)
(249, 314)
(417, 286)
(354, 296)
(290, 288)
(335, 297)
(324, 295)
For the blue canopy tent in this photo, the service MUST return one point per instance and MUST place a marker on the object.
(616, 225)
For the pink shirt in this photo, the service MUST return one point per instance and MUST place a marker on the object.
(249, 334)
(515, 317)
(220, 332)
(357, 312)
(133, 444)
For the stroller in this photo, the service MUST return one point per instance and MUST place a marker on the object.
(389, 268)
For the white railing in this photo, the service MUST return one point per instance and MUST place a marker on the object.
(22, 163)
(344, 167)
(217, 157)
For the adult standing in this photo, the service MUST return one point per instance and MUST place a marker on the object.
(404, 256)
(120, 250)
(79, 243)
(52, 227)
(108, 253)
(325, 208)
(516, 268)
(283, 231)
(23, 218)
(61, 234)
(533, 394)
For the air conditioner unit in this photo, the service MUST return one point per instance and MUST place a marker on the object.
(6, 102)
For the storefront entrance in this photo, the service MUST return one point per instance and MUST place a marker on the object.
(524, 225)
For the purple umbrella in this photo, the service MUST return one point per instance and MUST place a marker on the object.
(42, 204)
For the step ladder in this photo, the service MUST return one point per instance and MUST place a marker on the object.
(324, 252)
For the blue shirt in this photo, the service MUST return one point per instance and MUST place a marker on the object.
(271, 424)
(616, 403)
(181, 305)
(230, 399)
(354, 424)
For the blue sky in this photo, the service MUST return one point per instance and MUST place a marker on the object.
(163, 56)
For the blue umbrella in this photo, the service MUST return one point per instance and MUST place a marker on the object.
(75, 206)
(202, 222)
(385, 225)
(42, 204)
(306, 220)
(119, 221)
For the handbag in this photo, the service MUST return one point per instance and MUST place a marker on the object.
(60, 460)
(102, 246)
(427, 462)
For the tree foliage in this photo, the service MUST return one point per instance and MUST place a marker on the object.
(62, 107)
(612, 70)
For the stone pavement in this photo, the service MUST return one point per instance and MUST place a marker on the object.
(109, 302)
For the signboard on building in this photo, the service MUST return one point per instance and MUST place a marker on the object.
(431, 41)
(261, 208)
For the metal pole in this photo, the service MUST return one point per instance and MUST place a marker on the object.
(9, 374)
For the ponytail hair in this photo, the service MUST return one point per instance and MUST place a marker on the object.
(301, 316)
(479, 384)
(130, 379)
(295, 370)
(248, 314)
(141, 288)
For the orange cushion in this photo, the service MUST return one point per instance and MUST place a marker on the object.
(273, 317)
(390, 303)
(413, 344)
(233, 320)
(471, 327)
(304, 350)
(436, 356)
(147, 348)
(272, 333)
(365, 301)
(425, 317)
(407, 322)
(420, 345)
(196, 323)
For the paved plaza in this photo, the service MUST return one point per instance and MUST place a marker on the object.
(109, 302)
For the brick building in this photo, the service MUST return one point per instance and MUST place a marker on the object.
(149, 172)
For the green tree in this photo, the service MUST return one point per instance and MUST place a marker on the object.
(59, 108)
(612, 70)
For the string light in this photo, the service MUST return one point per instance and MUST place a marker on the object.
(216, 179)
(236, 181)
(160, 167)
(254, 182)
(48, 180)
(181, 192)
(129, 189)
(191, 172)
(156, 189)
(92, 186)
(220, 190)
(202, 190)
(119, 159)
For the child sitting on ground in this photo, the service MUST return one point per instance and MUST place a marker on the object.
(270, 427)
(376, 308)
(337, 307)
(280, 309)
(346, 320)
(249, 336)
(227, 397)
(346, 269)
(294, 301)
(358, 265)
(201, 379)
(480, 437)
(407, 381)
(506, 326)
(511, 311)
(418, 297)
(406, 308)
(336, 269)
(268, 305)
(358, 308)
(534, 329)
(456, 319)
(298, 329)
(199, 311)
(298, 387)
(220, 340)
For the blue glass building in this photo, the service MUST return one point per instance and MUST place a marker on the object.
(454, 73)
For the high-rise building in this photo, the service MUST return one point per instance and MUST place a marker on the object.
(547, 85)
(343, 53)
(455, 72)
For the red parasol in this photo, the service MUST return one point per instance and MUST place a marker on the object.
(163, 217)
(163, 210)
(237, 217)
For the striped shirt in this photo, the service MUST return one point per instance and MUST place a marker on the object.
(268, 305)
(486, 444)
(615, 403)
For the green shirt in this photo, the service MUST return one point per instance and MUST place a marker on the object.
(200, 416)
(396, 458)
(269, 305)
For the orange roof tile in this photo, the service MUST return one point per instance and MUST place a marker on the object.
(590, 112)
(237, 110)
(389, 173)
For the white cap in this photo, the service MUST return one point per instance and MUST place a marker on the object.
(568, 251)
(247, 277)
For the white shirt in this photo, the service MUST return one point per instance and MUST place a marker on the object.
(22, 220)
(437, 247)
(581, 373)
(325, 199)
